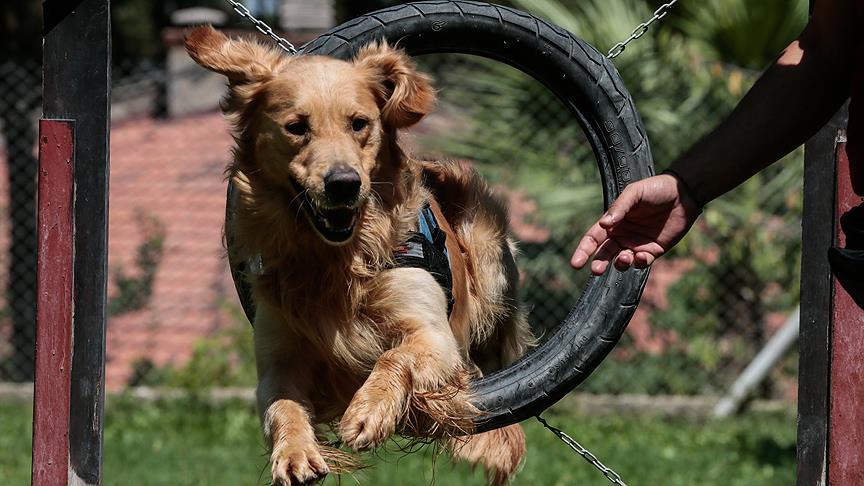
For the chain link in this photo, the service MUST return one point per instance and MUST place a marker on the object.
(611, 475)
(641, 29)
(616, 50)
(263, 27)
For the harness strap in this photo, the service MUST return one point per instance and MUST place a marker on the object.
(427, 249)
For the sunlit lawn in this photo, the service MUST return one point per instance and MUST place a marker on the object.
(186, 443)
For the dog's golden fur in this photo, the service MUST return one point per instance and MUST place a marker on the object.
(340, 334)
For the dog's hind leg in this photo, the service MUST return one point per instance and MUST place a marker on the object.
(500, 330)
(424, 360)
(498, 451)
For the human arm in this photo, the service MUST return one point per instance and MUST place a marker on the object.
(790, 101)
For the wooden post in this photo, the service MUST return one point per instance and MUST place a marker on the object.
(76, 86)
(54, 303)
(831, 371)
(846, 422)
(831, 343)
(816, 292)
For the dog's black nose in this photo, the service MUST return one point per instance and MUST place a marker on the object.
(342, 185)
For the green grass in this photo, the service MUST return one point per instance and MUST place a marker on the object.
(187, 443)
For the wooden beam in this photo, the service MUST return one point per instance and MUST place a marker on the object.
(816, 292)
(76, 86)
(846, 424)
(54, 303)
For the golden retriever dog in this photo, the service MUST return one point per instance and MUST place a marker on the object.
(343, 336)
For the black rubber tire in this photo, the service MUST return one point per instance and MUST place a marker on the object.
(589, 85)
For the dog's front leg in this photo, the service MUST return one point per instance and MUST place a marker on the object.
(295, 457)
(426, 358)
(283, 403)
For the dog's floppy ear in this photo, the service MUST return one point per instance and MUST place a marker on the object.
(404, 94)
(242, 61)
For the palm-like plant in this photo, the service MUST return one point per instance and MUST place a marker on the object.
(744, 33)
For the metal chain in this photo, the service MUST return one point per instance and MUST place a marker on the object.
(263, 27)
(641, 29)
(616, 50)
(611, 475)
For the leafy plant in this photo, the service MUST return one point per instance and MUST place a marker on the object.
(739, 32)
(224, 359)
(134, 290)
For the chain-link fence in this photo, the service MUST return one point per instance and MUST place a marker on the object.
(20, 101)
(173, 315)
(713, 302)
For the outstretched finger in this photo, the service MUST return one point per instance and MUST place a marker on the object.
(621, 206)
(588, 245)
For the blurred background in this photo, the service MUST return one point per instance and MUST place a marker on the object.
(174, 321)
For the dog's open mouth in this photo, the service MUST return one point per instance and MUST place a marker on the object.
(335, 223)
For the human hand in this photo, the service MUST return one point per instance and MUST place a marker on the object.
(647, 220)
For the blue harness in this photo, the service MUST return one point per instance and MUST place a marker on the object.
(427, 249)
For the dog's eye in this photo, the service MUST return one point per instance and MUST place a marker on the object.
(298, 128)
(359, 124)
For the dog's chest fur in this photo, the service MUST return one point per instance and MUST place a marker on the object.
(339, 347)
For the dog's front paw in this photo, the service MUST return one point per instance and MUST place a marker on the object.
(370, 419)
(298, 465)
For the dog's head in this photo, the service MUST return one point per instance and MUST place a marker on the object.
(316, 126)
